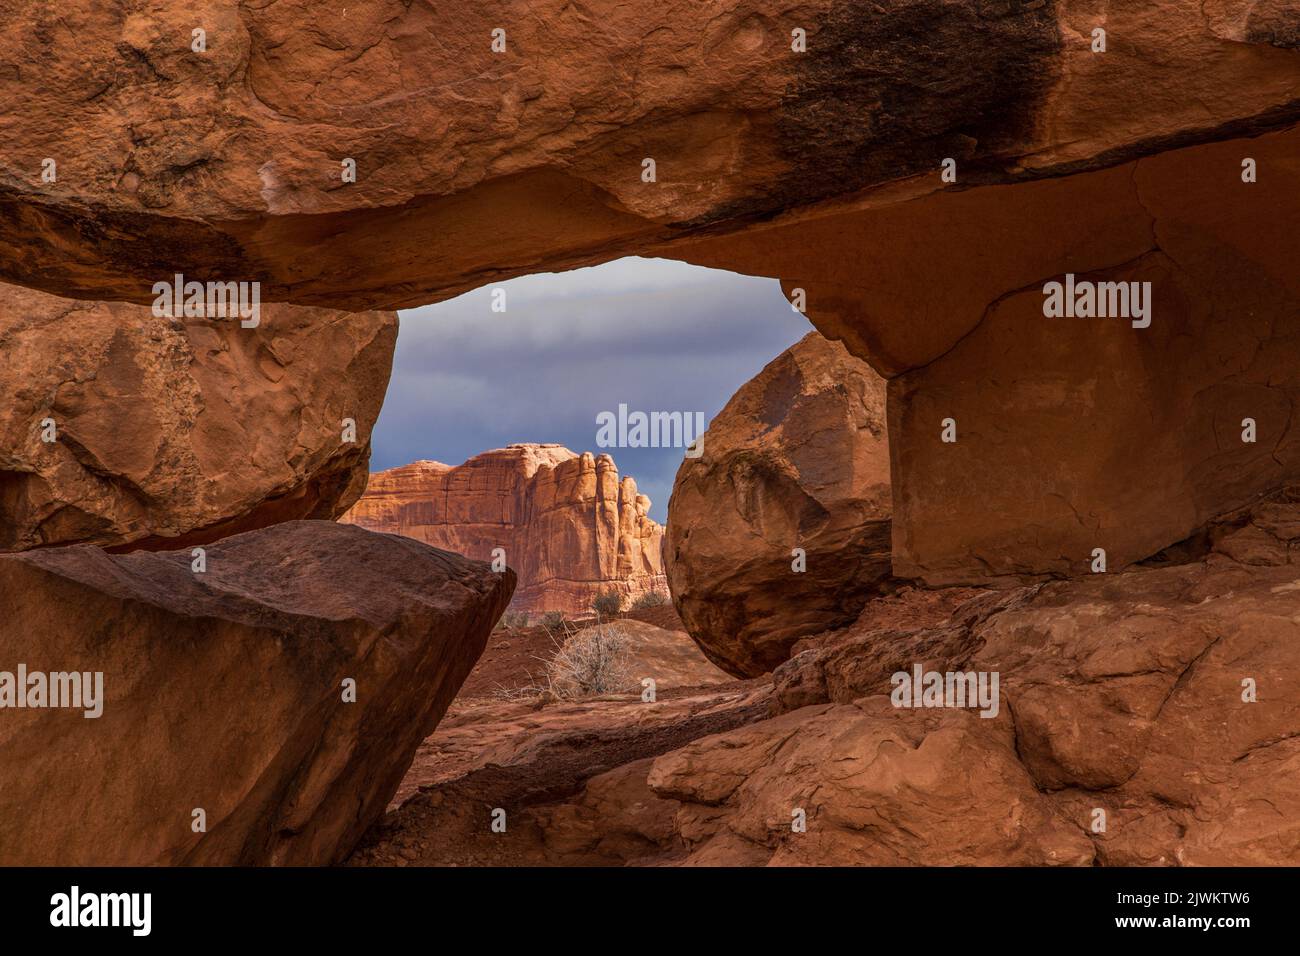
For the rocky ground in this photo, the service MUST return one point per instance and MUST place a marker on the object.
(1145, 718)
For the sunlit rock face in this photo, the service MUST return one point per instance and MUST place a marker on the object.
(566, 523)
(126, 429)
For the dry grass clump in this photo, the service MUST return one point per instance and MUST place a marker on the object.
(588, 662)
(607, 604)
(593, 661)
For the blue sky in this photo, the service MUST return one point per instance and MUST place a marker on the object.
(654, 334)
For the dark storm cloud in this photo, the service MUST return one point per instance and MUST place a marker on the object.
(653, 334)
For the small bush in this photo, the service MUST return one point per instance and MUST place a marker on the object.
(650, 599)
(607, 604)
(595, 660)
(512, 620)
(553, 621)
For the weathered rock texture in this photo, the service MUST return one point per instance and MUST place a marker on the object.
(517, 754)
(171, 434)
(223, 691)
(799, 458)
(226, 163)
(1071, 433)
(569, 526)
(1162, 696)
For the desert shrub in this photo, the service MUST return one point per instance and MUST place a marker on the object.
(607, 604)
(650, 599)
(513, 619)
(594, 660)
(553, 621)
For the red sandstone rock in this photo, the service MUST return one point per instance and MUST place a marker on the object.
(223, 691)
(569, 526)
(798, 458)
(518, 754)
(472, 163)
(1071, 433)
(171, 434)
(1122, 693)
(819, 167)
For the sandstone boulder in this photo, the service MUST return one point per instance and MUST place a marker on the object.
(798, 459)
(225, 692)
(169, 434)
(570, 527)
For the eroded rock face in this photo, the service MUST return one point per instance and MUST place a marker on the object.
(798, 459)
(229, 161)
(170, 434)
(1075, 434)
(223, 691)
(569, 525)
(1071, 433)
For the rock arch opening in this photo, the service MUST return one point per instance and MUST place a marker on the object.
(544, 418)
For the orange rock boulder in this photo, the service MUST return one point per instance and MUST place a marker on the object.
(122, 429)
(260, 710)
(781, 527)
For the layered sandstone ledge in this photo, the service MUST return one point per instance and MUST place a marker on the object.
(229, 161)
(569, 527)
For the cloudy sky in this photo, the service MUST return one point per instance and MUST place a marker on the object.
(653, 334)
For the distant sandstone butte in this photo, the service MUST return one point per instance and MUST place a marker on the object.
(569, 526)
